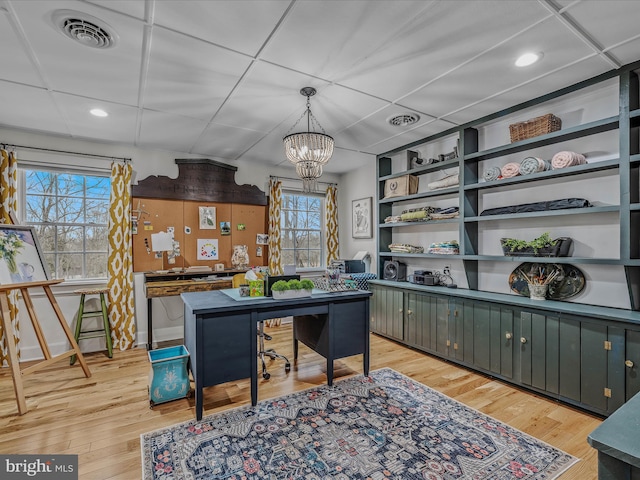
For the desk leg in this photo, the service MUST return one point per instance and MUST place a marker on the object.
(150, 326)
(253, 348)
(367, 339)
(199, 402)
(330, 352)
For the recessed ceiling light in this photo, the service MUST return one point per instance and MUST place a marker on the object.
(528, 59)
(98, 112)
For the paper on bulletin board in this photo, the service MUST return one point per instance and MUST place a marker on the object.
(207, 249)
(161, 242)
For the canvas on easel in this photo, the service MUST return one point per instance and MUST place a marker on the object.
(22, 267)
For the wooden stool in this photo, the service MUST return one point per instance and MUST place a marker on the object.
(82, 313)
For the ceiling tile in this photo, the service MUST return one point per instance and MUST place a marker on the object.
(19, 104)
(190, 77)
(16, 64)
(225, 142)
(171, 132)
(242, 26)
(110, 74)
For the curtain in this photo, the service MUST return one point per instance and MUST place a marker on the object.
(331, 207)
(8, 205)
(120, 283)
(275, 207)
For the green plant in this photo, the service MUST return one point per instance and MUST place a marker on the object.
(536, 244)
(295, 285)
(306, 284)
(280, 286)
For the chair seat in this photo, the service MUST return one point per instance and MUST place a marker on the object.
(105, 330)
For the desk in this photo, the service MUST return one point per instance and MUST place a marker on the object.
(220, 333)
(617, 440)
(170, 284)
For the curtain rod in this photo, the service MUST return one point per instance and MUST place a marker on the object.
(4, 145)
(299, 179)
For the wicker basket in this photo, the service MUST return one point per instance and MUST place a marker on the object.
(536, 126)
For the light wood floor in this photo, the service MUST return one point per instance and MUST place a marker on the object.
(101, 418)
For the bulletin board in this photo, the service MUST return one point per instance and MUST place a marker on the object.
(247, 225)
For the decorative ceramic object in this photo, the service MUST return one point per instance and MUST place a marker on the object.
(240, 257)
(284, 294)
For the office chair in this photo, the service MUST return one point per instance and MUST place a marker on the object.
(237, 280)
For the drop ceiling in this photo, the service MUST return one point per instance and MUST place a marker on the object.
(221, 78)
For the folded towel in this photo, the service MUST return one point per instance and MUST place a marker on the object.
(449, 181)
(491, 174)
(533, 165)
(567, 159)
(511, 170)
(412, 216)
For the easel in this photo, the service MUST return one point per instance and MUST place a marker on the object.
(9, 336)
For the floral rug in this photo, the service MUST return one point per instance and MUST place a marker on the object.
(385, 426)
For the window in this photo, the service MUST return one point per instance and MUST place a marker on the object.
(70, 214)
(301, 226)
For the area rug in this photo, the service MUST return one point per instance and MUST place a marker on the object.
(385, 426)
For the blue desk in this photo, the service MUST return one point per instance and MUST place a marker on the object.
(617, 440)
(220, 333)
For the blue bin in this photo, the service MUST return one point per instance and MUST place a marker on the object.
(168, 379)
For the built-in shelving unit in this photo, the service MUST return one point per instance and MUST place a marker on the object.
(583, 351)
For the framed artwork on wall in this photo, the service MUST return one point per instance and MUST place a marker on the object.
(207, 218)
(361, 218)
(21, 258)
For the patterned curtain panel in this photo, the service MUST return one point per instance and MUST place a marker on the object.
(120, 283)
(331, 206)
(275, 207)
(8, 205)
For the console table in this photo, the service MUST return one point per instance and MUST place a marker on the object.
(220, 333)
(170, 284)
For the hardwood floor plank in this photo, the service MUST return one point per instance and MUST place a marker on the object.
(101, 418)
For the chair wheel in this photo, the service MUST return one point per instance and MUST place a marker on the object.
(266, 375)
(287, 367)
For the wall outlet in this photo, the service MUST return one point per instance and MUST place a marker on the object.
(447, 269)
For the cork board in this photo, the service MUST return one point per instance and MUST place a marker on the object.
(157, 215)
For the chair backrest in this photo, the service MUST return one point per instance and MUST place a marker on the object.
(238, 279)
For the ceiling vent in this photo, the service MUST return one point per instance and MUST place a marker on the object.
(404, 120)
(84, 29)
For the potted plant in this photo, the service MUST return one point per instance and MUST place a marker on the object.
(542, 246)
(292, 289)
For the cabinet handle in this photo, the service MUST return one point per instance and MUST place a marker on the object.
(508, 335)
(523, 340)
(628, 363)
(409, 312)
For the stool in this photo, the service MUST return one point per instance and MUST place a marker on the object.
(82, 313)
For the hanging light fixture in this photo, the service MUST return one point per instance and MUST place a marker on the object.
(309, 150)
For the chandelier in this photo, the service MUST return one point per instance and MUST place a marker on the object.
(309, 150)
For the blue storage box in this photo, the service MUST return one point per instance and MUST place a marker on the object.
(168, 379)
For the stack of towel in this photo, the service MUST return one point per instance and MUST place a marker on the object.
(534, 165)
(567, 159)
(510, 170)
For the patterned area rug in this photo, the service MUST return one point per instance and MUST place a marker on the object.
(385, 426)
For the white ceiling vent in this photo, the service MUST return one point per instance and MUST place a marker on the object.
(84, 29)
(404, 120)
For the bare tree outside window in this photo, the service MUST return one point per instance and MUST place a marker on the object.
(70, 215)
(301, 226)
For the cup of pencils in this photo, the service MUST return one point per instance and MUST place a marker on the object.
(538, 281)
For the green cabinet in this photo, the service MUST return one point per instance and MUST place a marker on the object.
(492, 338)
(426, 316)
(387, 312)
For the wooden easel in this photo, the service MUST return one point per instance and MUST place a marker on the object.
(9, 336)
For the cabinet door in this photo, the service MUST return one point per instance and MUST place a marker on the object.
(539, 351)
(420, 320)
(632, 363)
(492, 338)
(593, 365)
(387, 316)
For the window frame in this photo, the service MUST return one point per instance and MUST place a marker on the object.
(323, 247)
(67, 170)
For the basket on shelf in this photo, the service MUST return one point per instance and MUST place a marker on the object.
(536, 126)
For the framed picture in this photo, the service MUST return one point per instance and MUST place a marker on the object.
(21, 257)
(262, 239)
(361, 218)
(207, 218)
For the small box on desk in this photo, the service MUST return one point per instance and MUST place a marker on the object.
(168, 379)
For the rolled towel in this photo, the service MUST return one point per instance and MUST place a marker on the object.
(492, 174)
(567, 159)
(532, 165)
(511, 170)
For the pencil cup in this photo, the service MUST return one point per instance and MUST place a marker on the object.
(538, 292)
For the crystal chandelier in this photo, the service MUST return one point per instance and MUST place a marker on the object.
(309, 150)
